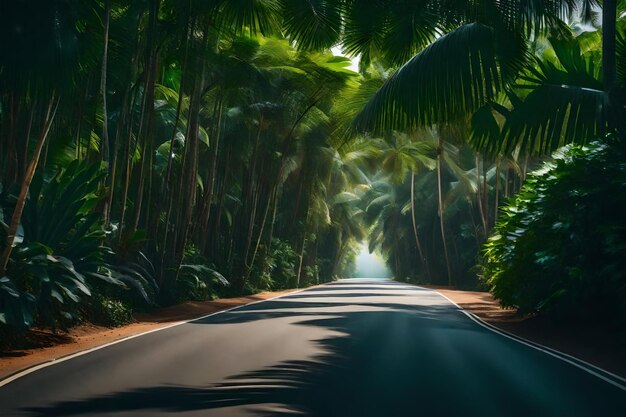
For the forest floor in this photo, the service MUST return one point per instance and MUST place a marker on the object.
(598, 344)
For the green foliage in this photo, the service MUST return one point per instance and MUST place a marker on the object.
(16, 307)
(311, 276)
(560, 244)
(60, 253)
(282, 264)
(110, 312)
(559, 100)
(197, 280)
(220, 128)
(438, 84)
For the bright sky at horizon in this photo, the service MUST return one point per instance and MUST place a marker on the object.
(370, 265)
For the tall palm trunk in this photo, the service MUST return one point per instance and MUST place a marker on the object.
(250, 264)
(441, 210)
(106, 150)
(301, 259)
(167, 189)
(497, 191)
(479, 198)
(28, 178)
(417, 239)
(205, 207)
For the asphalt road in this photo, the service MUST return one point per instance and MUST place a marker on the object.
(351, 348)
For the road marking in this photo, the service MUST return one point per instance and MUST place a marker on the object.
(594, 370)
(19, 374)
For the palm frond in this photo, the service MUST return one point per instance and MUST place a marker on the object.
(566, 104)
(363, 34)
(255, 16)
(453, 76)
(411, 27)
(312, 24)
(535, 16)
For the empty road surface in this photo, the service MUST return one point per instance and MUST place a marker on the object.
(350, 348)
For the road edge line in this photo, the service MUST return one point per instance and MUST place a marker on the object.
(54, 361)
(592, 369)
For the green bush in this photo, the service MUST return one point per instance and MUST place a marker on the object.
(110, 312)
(560, 245)
(282, 264)
(310, 276)
(197, 279)
(59, 253)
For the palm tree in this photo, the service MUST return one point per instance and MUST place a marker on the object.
(409, 153)
(470, 66)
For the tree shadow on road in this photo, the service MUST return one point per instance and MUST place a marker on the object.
(390, 360)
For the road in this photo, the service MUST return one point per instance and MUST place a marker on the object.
(350, 348)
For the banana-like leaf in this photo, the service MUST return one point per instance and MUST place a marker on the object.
(204, 270)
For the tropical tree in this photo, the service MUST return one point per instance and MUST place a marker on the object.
(472, 65)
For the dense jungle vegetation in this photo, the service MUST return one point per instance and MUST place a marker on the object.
(155, 151)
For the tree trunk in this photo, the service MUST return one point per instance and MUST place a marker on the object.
(106, 151)
(497, 191)
(250, 264)
(479, 198)
(205, 207)
(441, 210)
(166, 189)
(303, 245)
(28, 178)
(145, 126)
(417, 240)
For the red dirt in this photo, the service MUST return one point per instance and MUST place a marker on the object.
(598, 344)
(44, 345)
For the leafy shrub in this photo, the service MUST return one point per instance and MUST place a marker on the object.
(560, 245)
(197, 279)
(310, 276)
(128, 264)
(60, 252)
(110, 312)
(282, 264)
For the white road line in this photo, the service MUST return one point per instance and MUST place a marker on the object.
(579, 363)
(60, 359)
(594, 370)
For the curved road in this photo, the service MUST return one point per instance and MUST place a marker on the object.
(350, 348)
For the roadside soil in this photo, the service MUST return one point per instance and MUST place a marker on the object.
(43, 345)
(599, 343)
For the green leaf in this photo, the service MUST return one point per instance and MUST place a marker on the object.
(452, 77)
(312, 24)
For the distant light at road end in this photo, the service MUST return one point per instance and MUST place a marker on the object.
(370, 265)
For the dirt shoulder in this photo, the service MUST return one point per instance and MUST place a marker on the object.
(598, 344)
(45, 345)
